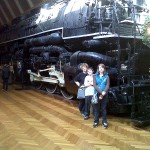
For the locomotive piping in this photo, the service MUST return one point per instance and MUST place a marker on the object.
(79, 57)
(52, 39)
(52, 48)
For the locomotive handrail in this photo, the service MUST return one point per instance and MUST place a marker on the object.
(139, 83)
(123, 79)
(35, 74)
(126, 76)
(133, 85)
(51, 68)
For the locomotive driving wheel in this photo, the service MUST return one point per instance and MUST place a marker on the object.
(37, 84)
(66, 94)
(50, 88)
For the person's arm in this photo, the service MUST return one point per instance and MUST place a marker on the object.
(77, 83)
(95, 86)
(107, 86)
(76, 80)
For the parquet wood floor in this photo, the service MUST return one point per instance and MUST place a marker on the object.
(31, 120)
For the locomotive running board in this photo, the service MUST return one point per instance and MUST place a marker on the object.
(32, 35)
(80, 36)
(116, 36)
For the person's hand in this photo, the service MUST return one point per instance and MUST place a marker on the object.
(103, 93)
(82, 86)
(77, 83)
(101, 97)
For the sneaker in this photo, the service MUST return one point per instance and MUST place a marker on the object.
(86, 117)
(83, 114)
(105, 125)
(4, 90)
(95, 125)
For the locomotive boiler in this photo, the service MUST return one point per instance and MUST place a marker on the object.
(47, 45)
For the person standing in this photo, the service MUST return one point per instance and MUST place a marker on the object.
(101, 84)
(89, 91)
(5, 76)
(79, 80)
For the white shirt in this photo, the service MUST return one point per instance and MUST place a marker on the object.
(88, 82)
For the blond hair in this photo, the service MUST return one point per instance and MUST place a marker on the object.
(90, 68)
(84, 65)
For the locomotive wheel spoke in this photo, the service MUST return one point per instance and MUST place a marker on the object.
(50, 88)
(66, 94)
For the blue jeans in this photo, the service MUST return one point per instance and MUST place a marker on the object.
(87, 105)
(82, 105)
(96, 109)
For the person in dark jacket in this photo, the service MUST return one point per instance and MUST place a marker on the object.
(79, 80)
(5, 76)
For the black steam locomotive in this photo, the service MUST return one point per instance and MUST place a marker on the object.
(48, 44)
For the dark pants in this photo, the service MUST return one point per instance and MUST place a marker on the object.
(5, 84)
(87, 105)
(82, 105)
(96, 109)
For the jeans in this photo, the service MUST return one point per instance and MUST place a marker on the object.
(87, 105)
(96, 109)
(5, 84)
(82, 105)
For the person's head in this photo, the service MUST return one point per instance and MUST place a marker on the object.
(6, 63)
(84, 67)
(90, 71)
(101, 68)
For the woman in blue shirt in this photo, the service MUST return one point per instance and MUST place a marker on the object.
(101, 84)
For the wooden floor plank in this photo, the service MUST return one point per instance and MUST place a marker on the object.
(31, 120)
(35, 128)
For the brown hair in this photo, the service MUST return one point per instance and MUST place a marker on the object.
(101, 65)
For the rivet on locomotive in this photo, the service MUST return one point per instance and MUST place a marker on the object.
(47, 45)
